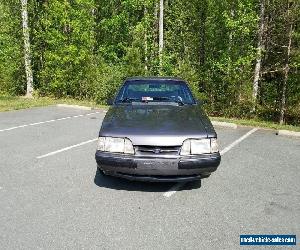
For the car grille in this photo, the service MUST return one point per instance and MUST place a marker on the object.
(157, 150)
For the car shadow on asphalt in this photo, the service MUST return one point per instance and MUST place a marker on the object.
(122, 184)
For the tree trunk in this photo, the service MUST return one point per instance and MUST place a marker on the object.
(286, 74)
(260, 48)
(202, 32)
(146, 39)
(27, 53)
(161, 34)
(230, 39)
(154, 35)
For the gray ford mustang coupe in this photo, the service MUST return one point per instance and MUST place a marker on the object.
(156, 131)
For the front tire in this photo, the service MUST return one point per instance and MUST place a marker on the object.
(205, 176)
(100, 171)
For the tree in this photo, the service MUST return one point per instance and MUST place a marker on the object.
(233, 53)
(260, 48)
(202, 31)
(161, 34)
(286, 73)
(290, 24)
(27, 52)
(12, 72)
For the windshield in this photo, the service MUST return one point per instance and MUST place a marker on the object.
(155, 91)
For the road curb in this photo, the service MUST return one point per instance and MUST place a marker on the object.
(288, 133)
(224, 124)
(74, 106)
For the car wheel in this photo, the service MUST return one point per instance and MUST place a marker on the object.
(205, 176)
(193, 184)
(100, 171)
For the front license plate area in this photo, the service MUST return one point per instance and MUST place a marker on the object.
(157, 164)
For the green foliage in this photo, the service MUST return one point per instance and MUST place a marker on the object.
(85, 48)
(8, 102)
(64, 47)
(11, 57)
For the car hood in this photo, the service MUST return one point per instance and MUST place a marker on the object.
(157, 125)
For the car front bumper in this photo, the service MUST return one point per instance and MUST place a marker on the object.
(158, 169)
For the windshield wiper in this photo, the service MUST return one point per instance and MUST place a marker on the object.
(127, 100)
(162, 98)
(180, 102)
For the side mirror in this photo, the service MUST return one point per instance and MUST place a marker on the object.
(110, 101)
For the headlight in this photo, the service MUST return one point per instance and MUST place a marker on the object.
(214, 146)
(199, 146)
(115, 145)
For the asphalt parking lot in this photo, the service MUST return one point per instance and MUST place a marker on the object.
(52, 197)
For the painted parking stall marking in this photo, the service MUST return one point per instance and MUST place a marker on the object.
(66, 148)
(225, 150)
(177, 186)
(174, 189)
(49, 121)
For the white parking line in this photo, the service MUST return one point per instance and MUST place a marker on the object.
(67, 148)
(174, 189)
(177, 186)
(49, 121)
(225, 150)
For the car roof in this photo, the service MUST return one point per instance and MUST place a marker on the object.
(154, 78)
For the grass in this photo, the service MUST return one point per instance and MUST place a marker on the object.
(257, 123)
(8, 103)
